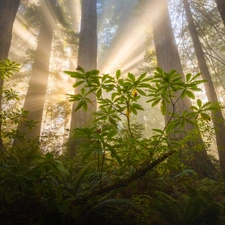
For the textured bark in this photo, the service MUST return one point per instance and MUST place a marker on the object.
(35, 97)
(87, 59)
(221, 8)
(8, 10)
(168, 59)
(217, 117)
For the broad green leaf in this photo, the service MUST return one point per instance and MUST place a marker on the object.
(85, 106)
(99, 92)
(112, 121)
(61, 167)
(74, 74)
(205, 116)
(188, 77)
(190, 94)
(141, 77)
(158, 131)
(95, 72)
(78, 84)
(80, 104)
(131, 77)
(118, 74)
(159, 70)
(141, 92)
(199, 103)
(156, 102)
(133, 110)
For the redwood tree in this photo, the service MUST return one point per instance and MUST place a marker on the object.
(168, 59)
(217, 117)
(87, 59)
(35, 97)
(8, 10)
(221, 8)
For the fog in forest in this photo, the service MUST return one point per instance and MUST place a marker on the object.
(112, 112)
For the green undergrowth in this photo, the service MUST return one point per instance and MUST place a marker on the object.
(117, 175)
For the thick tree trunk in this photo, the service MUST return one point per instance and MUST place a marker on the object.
(87, 59)
(221, 8)
(168, 59)
(217, 117)
(35, 97)
(8, 10)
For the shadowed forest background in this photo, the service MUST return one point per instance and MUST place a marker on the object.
(112, 112)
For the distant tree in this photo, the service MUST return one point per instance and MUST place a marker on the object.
(35, 97)
(8, 10)
(217, 117)
(221, 8)
(168, 59)
(87, 59)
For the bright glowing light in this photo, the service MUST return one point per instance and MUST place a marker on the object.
(129, 49)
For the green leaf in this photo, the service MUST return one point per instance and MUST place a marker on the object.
(142, 76)
(141, 92)
(137, 106)
(155, 102)
(199, 103)
(195, 77)
(74, 74)
(85, 106)
(99, 92)
(80, 104)
(144, 85)
(112, 121)
(59, 165)
(118, 74)
(159, 70)
(205, 116)
(163, 107)
(131, 77)
(78, 84)
(188, 77)
(133, 110)
(158, 131)
(94, 72)
(190, 94)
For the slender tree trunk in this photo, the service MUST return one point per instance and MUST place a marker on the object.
(217, 117)
(168, 59)
(8, 10)
(87, 59)
(35, 97)
(221, 8)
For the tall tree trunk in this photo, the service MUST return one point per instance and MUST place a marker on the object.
(221, 8)
(168, 59)
(87, 59)
(8, 10)
(217, 117)
(35, 97)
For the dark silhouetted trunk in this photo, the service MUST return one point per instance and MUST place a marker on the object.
(217, 117)
(87, 59)
(168, 59)
(221, 8)
(35, 97)
(8, 10)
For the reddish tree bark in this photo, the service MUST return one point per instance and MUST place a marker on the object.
(221, 8)
(35, 97)
(217, 117)
(8, 10)
(87, 59)
(168, 59)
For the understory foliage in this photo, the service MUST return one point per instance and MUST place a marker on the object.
(119, 174)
